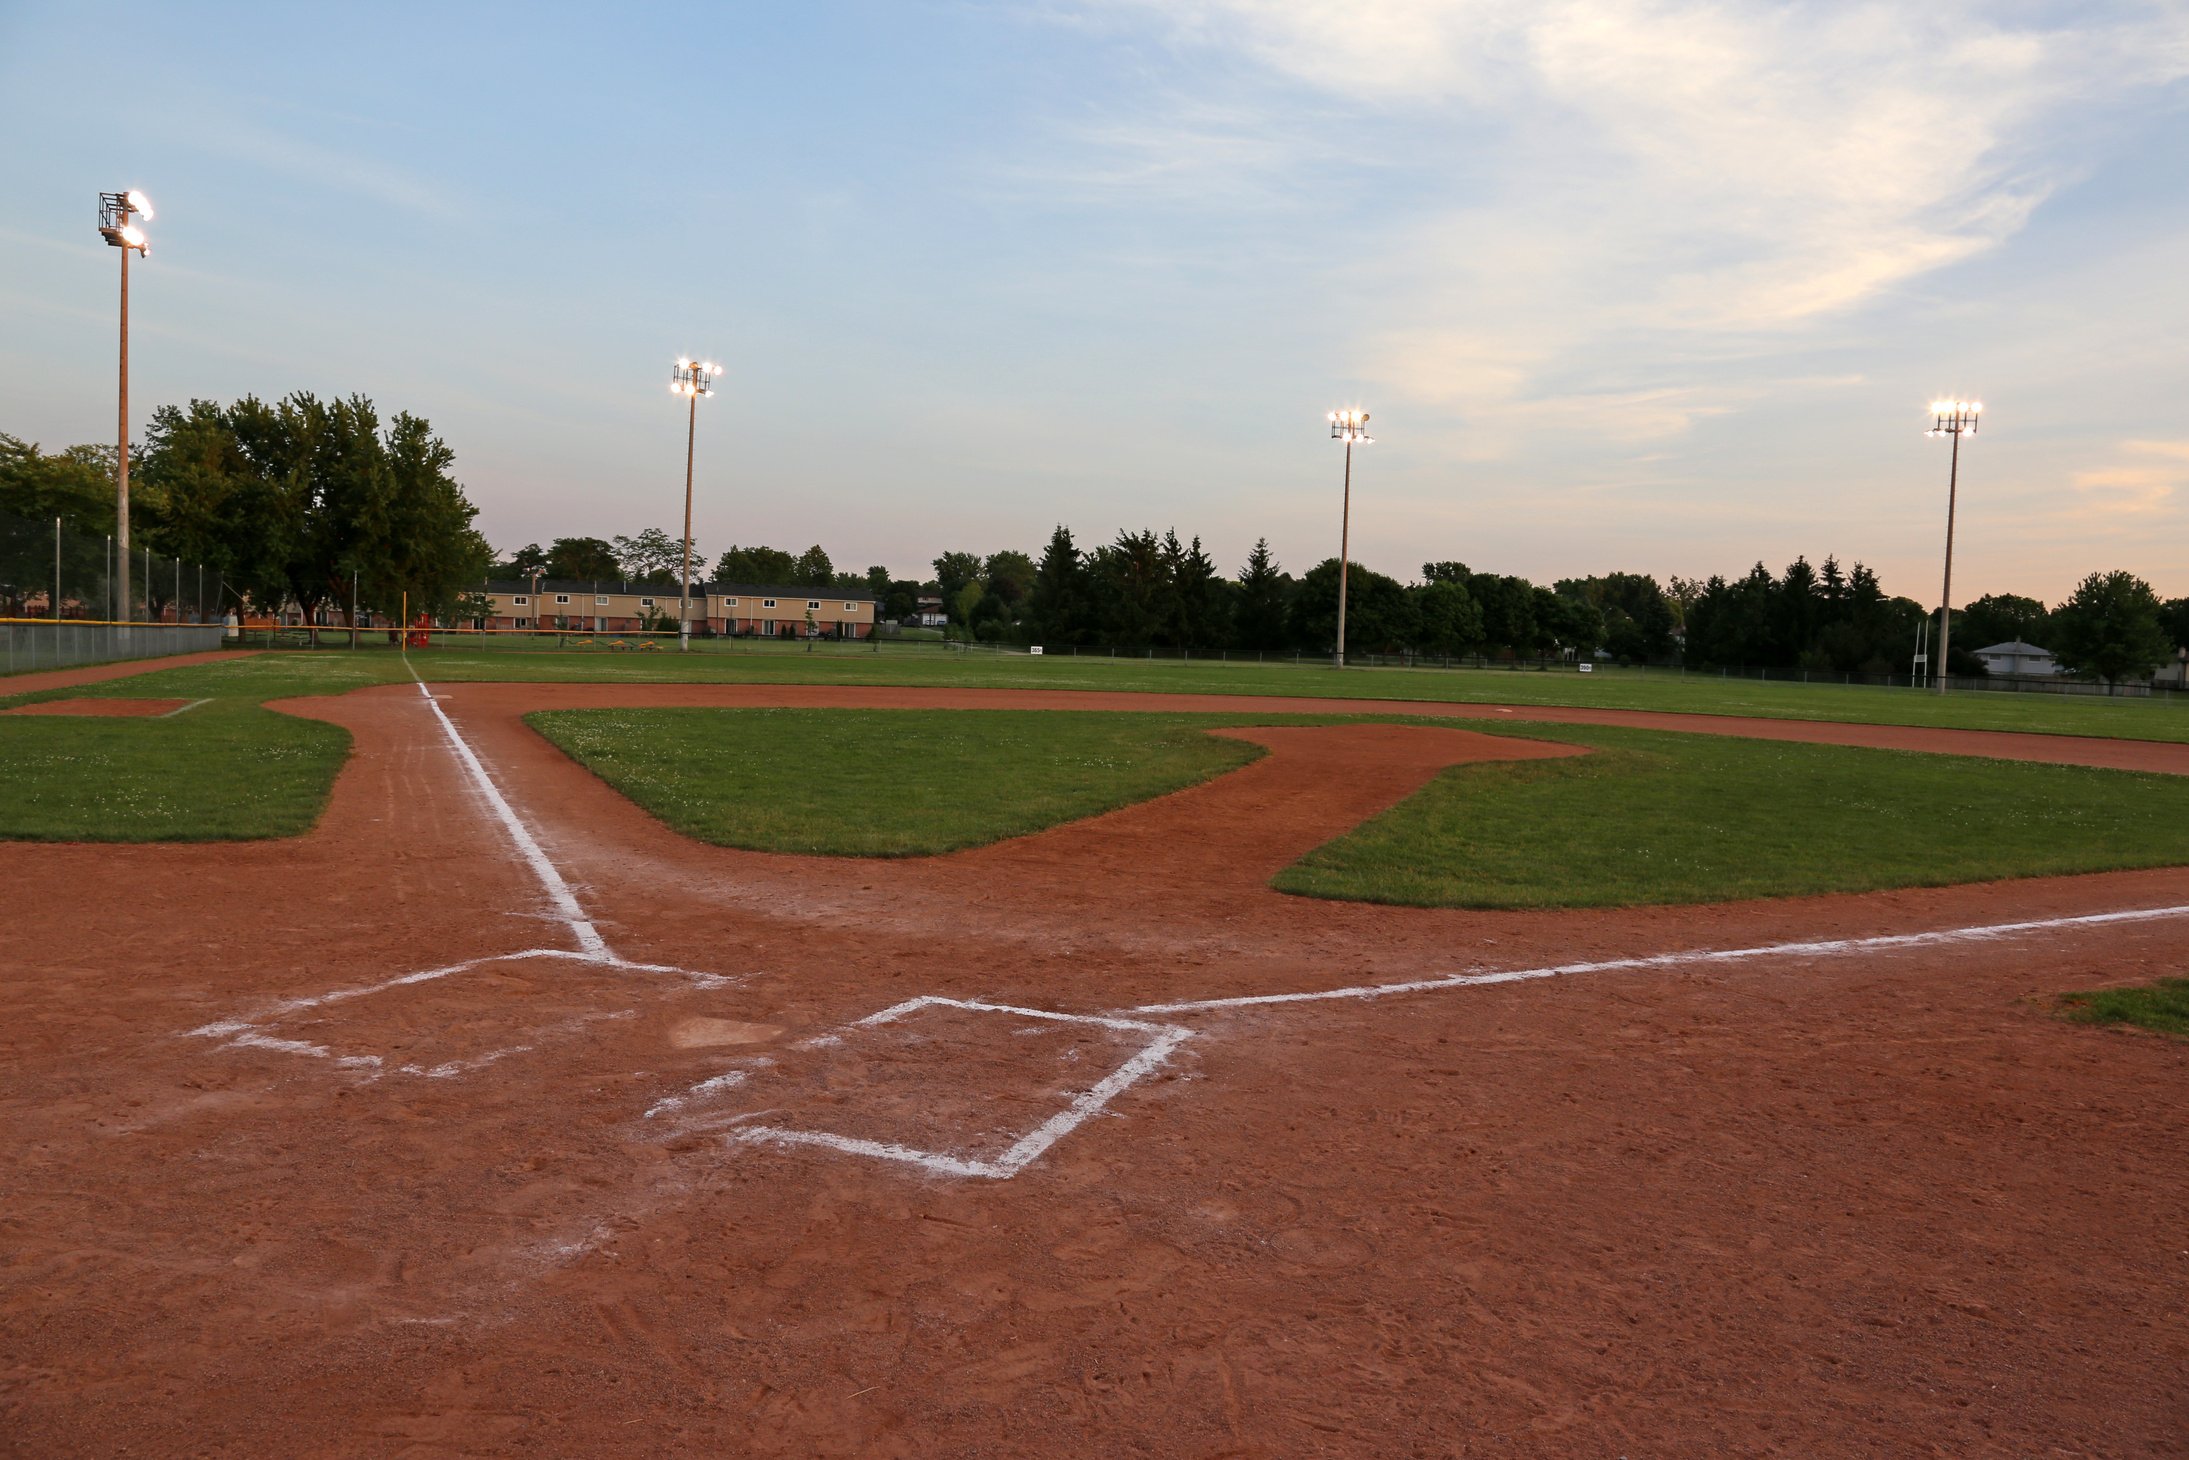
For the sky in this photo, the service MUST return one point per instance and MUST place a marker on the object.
(1659, 287)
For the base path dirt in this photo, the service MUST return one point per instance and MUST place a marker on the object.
(420, 1136)
(115, 709)
(38, 681)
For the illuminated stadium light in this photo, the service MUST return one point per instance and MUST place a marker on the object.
(1351, 427)
(115, 212)
(692, 378)
(1955, 418)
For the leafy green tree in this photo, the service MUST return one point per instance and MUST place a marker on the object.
(813, 569)
(1448, 618)
(589, 558)
(1508, 611)
(76, 485)
(760, 566)
(1999, 618)
(1446, 572)
(525, 562)
(1264, 592)
(2176, 621)
(1379, 614)
(1009, 577)
(953, 571)
(2111, 628)
(877, 583)
(656, 556)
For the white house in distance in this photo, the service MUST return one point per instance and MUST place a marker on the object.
(2016, 657)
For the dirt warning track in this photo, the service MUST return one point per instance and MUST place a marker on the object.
(433, 1197)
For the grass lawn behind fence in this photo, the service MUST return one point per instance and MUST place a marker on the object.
(1651, 817)
(884, 783)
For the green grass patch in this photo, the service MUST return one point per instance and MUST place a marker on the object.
(2162, 1006)
(1650, 817)
(884, 783)
(227, 770)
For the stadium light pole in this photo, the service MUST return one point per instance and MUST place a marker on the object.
(1349, 427)
(115, 211)
(1955, 418)
(693, 378)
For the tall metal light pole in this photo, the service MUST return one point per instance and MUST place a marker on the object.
(115, 211)
(1349, 427)
(693, 378)
(1955, 418)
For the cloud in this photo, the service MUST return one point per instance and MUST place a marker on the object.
(2140, 487)
(1627, 180)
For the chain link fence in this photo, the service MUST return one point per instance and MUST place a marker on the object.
(61, 600)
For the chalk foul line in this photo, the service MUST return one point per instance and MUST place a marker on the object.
(1826, 949)
(573, 915)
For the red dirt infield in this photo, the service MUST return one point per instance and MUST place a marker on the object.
(1818, 1203)
(100, 709)
(39, 680)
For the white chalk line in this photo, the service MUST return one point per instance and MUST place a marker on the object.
(1163, 1039)
(558, 891)
(179, 709)
(1826, 949)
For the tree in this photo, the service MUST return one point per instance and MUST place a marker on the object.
(1447, 617)
(2111, 628)
(525, 562)
(954, 573)
(877, 582)
(760, 566)
(1131, 588)
(1009, 576)
(1258, 616)
(583, 558)
(1999, 618)
(813, 569)
(1196, 611)
(1379, 614)
(1057, 605)
(655, 556)
(2176, 621)
(76, 485)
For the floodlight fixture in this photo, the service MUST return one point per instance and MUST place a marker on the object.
(691, 378)
(1955, 418)
(1351, 427)
(115, 212)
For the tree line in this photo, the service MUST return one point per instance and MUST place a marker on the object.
(301, 500)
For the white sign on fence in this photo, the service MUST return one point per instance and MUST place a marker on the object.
(1586, 668)
(1035, 650)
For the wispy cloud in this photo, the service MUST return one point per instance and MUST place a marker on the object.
(2141, 486)
(1650, 175)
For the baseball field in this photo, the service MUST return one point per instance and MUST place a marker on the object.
(450, 1052)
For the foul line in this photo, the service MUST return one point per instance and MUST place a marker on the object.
(1828, 949)
(573, 915)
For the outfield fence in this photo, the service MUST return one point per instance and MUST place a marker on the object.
(27, 644)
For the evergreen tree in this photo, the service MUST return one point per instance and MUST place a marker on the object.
(1259, 621)
(1057, 606)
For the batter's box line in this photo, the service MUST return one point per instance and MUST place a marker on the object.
(1162, 1040)
(249, 1033)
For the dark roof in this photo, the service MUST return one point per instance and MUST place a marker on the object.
(655, 589)
(2015, 647)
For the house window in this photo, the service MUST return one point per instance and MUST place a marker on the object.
(519, 601)
(562, 598)
(813, 603)
(645, 603)
(851, 608)
(767, 603)
(729, 603)
(600, 600)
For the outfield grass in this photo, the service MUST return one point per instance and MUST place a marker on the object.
(2162, 1006)
(1647, 818)
(884, 783)
(1651, 817)
(226, 770)
(1627, 689)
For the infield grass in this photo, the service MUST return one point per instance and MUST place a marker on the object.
(1651, 817)
(2161, 1006)
(884, 783)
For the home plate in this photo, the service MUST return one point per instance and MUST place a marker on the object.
(957, 1087)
